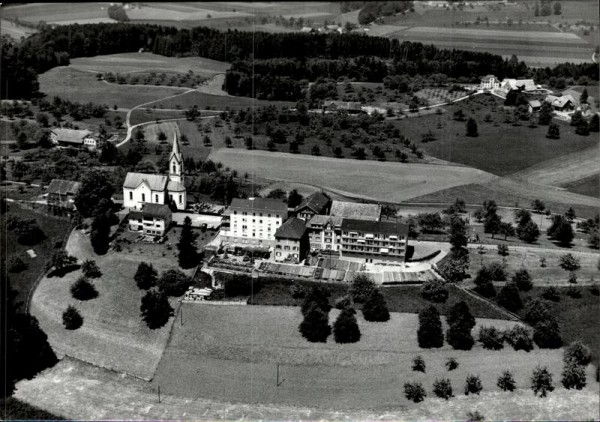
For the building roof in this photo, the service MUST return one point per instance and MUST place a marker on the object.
(344, 105)
(535, 104)
(371, 212)
(174, 186)
(63, 187)
(293, 228)
(524, 84)
(156, 182)
(259, 204)
(488, 77)
(559, 102)
(319, 221)
(70, 135)
(316, 202)
(151, 210)
(385, 227)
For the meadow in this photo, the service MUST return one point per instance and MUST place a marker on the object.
(56, 12)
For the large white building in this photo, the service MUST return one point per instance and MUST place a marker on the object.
(253, 221)
(143, 188)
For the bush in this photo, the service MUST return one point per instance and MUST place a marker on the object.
(536, 310)
(343, 302)
(375, 309)
(297, 291)
(573, 376)
(475, 416)
(442, 388)
(361, 288)
(459, 337)
(430, 332)
(16, 264)
(541, 381)
(434, 291)
(315, 326)
(414, 392)
(503, 250)
(506, 382)
(72, 319)
(145, 276)
(418, 364)
(522, 279)
(317, 297)
(155, 309)
(509, 298)
(345, 328)
(82, 289)
(491, 338)
(175, 283)
(546, 335)
(90, 269)
(519, 338)
(573, 292)
(551, 293)
(473, 385)
(577, 353)
(451, 364)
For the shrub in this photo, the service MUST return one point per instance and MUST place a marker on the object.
(343, 302)
(430, 332)
(519, 338)
(145, 276)
(297, 291)
(375, 309)
(418, 364)
(551, 293)
(460, 313)
(491, 338)
(573, 292)
(315, 326)
(451, 364)
(536, 310)
(541, 381)
(72, 319)
(16, 264)
(434, 291)
(317, 297)
(414, 391)
(361, 288)
(546, 335)
(238, 284)
(345, 328)
(459, 337)
(473, 385)
(509, 298)
(175, 283)
(578, 353)
(475, 416)
(90, 269)
(82, 289)
(573, 376)
(503, 250)
(506, 382)
(442, 388)
(522, 279)
(155, 309)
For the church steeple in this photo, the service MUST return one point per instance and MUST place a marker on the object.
(176, 162)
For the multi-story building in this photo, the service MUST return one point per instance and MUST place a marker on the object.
(373, 241)
(291, 241)
(151, 219)
(324, 233)
(253, 221)
(317, 203)
(61, 193)
(490, 82)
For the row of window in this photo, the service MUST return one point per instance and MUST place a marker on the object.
(260, 214)
(156, 198)
(287, 248)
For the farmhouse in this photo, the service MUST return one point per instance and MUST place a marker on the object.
(533, 106)
(526, 85)
(490, 82)
(317, 203)
(253, 221)
(151, 219)
(373, 241)
(324, 233)
(563, 103)
(356, 211)
(61, 193)
(72, 138)
(291, 241)
(349, 106)
(142, 188)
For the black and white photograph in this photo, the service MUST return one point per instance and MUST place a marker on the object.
(300, 211)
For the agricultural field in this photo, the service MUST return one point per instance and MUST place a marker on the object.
(177, 12)
(15, 31)
(218, 102)
(434, 96)
(381, 181)
(57, 12)
(113, 334)
(589, 186)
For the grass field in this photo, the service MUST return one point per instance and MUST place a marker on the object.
(589, 186)
(372, 179)
(56, 12)
(218, 102)
(113, 334)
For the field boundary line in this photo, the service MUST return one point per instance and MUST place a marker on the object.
(514, 317)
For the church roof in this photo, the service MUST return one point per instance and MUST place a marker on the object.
(156, 182)
(176, 149)
(174, 186)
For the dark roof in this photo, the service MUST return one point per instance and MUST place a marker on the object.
(386, 227)
(71, 136)
(356, 210)
(63, 187)
(293, 228)
(259, 204)
(156, 182)
(151, 210)
(316, 202)
(318, 221)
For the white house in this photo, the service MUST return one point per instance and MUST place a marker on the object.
(72, 138)
(143, 188)
(152, 219)
(490, 82)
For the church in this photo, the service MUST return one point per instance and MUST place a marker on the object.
(142, 188)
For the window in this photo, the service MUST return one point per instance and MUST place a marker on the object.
(130, 195)
(156, 198)
(174, 168)
(143, 197)
(180, 199)
(235, 213)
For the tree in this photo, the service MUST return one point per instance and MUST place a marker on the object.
(546, 114)
(458, 233)
(345, 328)
(29, 232)
(506, 382)
(90, 269)
(100, 234)
(594, 125)
(315, 326)
(317, 297)
(584, 96)
(491, 338)
(557, 8)
(553, 131)
(294, 198)
(145, 276)
(451, 364)
(528, 232)
(573, 376)
(430, 222)
(536, 310)
(419, 364)
(430, 332)
(483, 282)
(519, 338)
(82, 289)
(471, 127)
(61, 262)
(188, 254)
(95, 186)
(570, 214)
(503, 250)
(173, 283)
(577, 353)
(473, 385)
(454, 267)
(506, 229)
(361, 288)
(16, 264)
(155, 309)
(315, 150)
(570, 263)
(582, 128)
(546, 334)
(492, 224)
(522, 279)
(442, 388)
(375, 309)
(509, 298)
(541, 381)
(461, 322)
(561, 230)
(72, 319)
(434, 291)
(414, 392)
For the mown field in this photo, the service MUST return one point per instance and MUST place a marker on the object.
(218, 102)
(589, 186)
(56, 12)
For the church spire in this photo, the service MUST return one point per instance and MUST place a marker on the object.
(176, 162)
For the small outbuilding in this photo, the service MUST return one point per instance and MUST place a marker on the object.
(151, 219)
